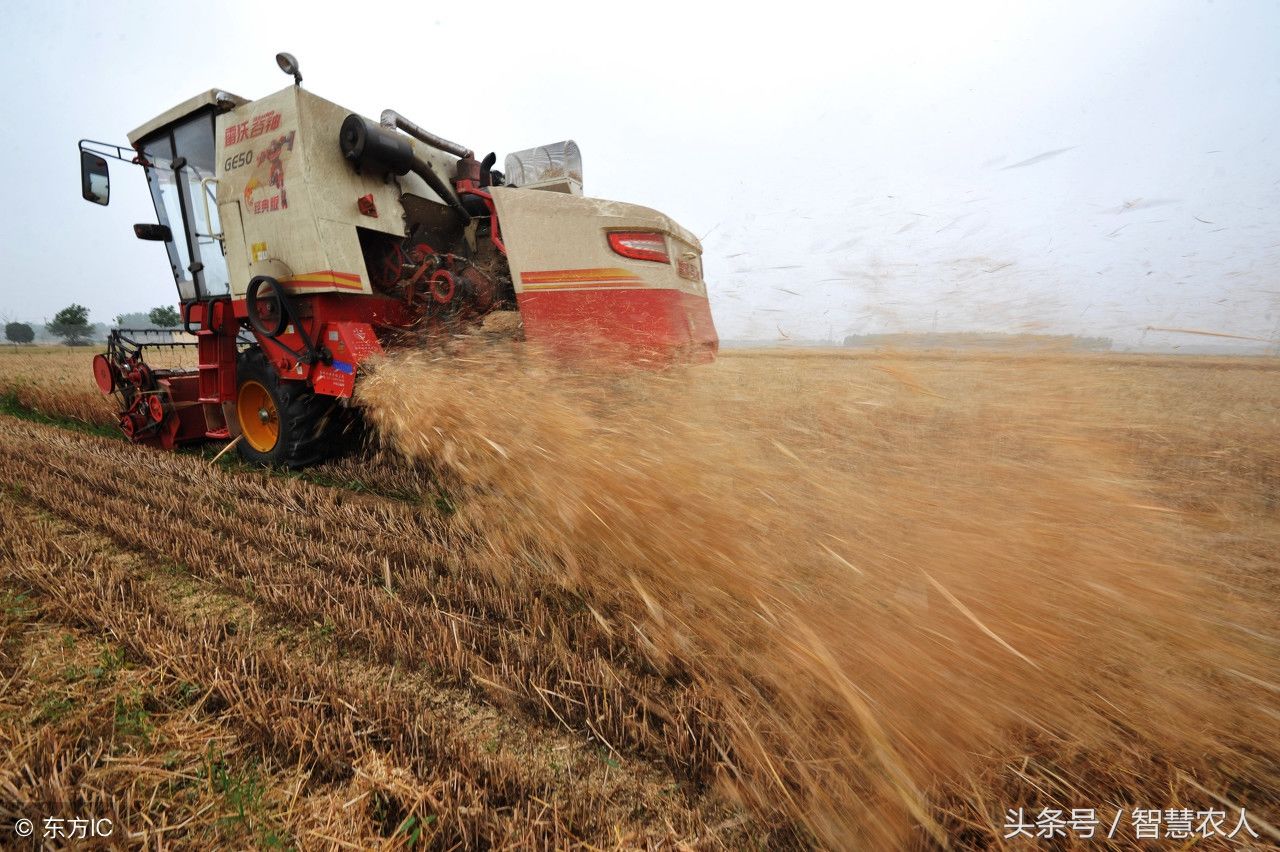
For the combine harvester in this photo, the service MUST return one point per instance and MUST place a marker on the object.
(306, 239)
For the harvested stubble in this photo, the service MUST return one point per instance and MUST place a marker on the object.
(293, 712)
(909, 602)
(303, 555)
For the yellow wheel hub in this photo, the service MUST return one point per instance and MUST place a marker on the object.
(259, 420)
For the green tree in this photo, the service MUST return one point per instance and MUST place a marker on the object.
(164, 316)
(18, 332)
(72, 325)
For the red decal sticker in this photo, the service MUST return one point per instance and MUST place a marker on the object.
(268, 122)
(268, 176)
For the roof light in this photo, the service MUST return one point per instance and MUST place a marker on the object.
(289, 65)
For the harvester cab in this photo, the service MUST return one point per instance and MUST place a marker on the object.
(305, 239)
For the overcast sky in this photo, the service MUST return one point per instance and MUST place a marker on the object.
(1084, 167)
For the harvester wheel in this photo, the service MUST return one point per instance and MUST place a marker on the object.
(283, 423)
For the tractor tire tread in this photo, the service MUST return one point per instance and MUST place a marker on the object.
(309, 422)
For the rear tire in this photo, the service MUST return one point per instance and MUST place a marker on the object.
(282, 423)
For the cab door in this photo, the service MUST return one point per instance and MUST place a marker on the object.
(180, 173)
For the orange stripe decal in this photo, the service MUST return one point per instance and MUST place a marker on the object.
(548, 276)
(629, 284)
(326, 277)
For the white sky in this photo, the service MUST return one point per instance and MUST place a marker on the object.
(853, 168)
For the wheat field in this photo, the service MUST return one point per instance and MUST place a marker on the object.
(795, 599)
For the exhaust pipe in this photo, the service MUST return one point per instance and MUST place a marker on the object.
(394, 120)
(368, 145)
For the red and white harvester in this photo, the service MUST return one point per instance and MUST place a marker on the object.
(306, 239)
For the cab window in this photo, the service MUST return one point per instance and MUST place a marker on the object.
(164, 194)
(194, 140)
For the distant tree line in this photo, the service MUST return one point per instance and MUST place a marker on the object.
(72, 326)
(164, 316)
(979, 340)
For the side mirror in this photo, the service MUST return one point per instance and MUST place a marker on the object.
(157, 233)
(95, 182)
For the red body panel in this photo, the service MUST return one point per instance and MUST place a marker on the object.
(349, 343)
(342, 324)
(216, 354)
(192, 417)
(634, 324)
(172, 415)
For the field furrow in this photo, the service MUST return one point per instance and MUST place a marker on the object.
(544, 649)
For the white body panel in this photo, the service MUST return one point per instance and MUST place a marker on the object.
(289, 202)
(547, 232)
